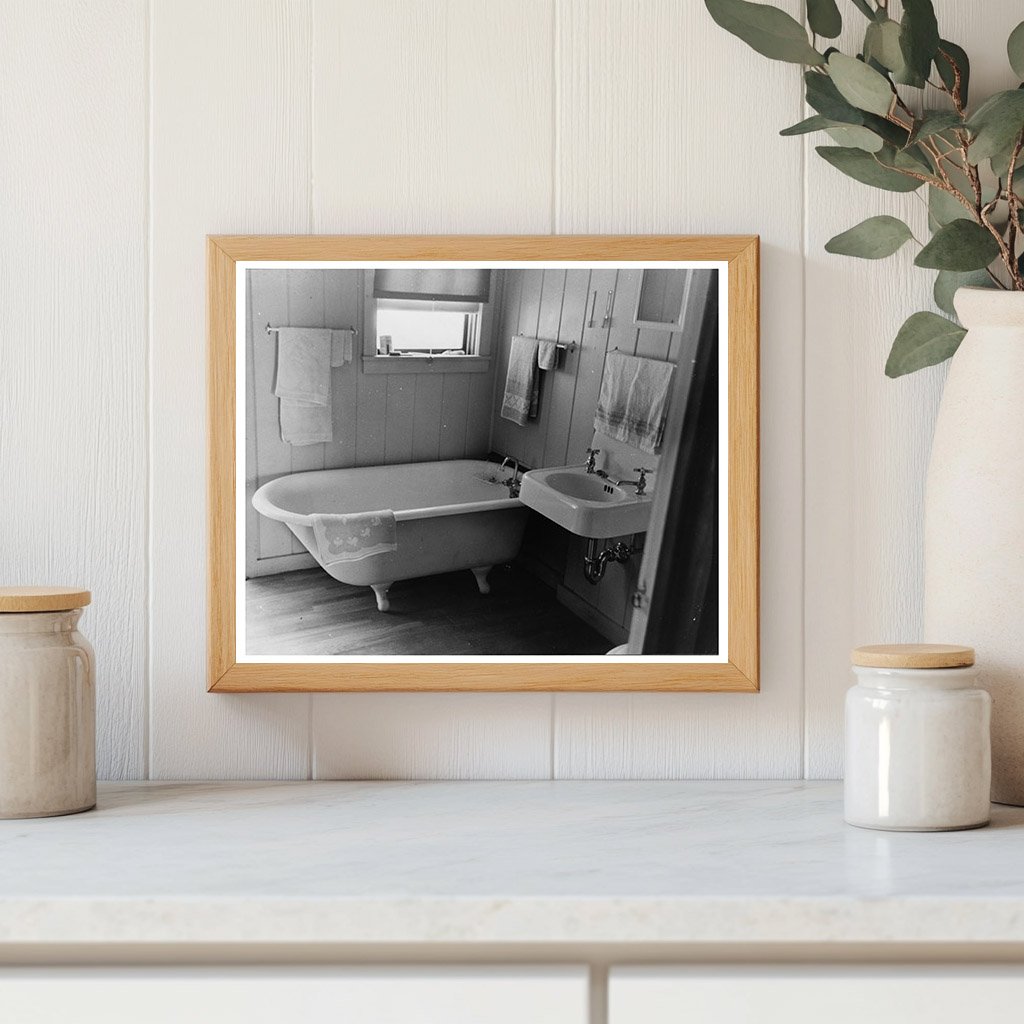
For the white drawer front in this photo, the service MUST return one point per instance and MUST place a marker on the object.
(294, 996)
(813, 995)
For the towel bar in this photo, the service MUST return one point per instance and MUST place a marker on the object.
(354, 330)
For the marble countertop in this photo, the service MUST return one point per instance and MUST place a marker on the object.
(500, 862)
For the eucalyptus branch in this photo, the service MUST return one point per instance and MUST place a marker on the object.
(937, 157)
(1004, 252)
(968, 234)
(974, 178)
(1014, 207)
(955, 93)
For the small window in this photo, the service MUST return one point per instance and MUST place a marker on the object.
(427, 328)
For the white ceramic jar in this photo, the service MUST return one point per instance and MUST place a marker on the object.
(918, 749)
(47, 704)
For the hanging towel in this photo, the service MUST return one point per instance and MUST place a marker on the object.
(634, 399)
(303, 384)
(305, 424)
(341, 347)
(303, 364)
(522, 385)
(354, 536)
(547, 355)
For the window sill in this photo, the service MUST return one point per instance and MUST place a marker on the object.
(426, 364)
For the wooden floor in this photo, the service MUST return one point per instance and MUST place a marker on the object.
(307, 612)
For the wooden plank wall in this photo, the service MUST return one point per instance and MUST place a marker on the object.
(139, 127)
(378, 418)
(73, 458)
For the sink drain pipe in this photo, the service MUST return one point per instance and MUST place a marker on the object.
(595, 562)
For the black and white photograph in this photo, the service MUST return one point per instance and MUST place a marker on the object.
(467, 461)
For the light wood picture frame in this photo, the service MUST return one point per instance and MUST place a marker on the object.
(737, 668)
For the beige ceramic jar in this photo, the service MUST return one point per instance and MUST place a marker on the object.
(47, 704)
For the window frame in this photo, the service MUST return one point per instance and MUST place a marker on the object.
(477, 362)
(470, 332)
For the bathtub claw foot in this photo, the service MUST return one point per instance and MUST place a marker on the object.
(380, 591)
(481, 578)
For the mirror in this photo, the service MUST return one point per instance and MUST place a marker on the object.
(661, 300)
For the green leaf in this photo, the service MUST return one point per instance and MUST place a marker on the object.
(1015, 50)
(872, 239)
(919, 36)
(960, 245)
(860, 85)
(951, 55)
(853, 136)
(948, 282)
(926, 339)
(824, 97)
(892, 133)
(864, 7)
(934, 122)
(911, 159)
(844, 134)
(808, 125)
(996, 125)
(882, 44)
(864, 167)
(944, 208)
(1001, 161)
(824, 18)
(769, 31)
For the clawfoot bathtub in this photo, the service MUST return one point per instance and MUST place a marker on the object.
(449, 515)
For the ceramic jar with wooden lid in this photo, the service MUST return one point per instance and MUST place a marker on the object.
(918, 749)
(47, 704)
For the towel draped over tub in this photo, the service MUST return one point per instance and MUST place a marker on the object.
(352, 536)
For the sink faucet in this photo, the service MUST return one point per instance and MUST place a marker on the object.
(513, 480)
(640, 483)
(592, 454)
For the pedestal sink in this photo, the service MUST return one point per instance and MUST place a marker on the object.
(585, 503)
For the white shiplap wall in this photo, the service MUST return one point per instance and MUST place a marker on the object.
(134, 129)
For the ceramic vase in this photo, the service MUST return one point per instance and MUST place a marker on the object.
(974, 517)
(47, 715)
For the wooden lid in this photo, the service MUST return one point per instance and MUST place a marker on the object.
(42, 599)
(913, 656)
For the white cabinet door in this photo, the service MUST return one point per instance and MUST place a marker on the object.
(813, 995)
(442, 995)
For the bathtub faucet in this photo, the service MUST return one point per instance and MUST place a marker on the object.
(513, 480)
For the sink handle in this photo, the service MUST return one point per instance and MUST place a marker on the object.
(592, 454)
(641, 484)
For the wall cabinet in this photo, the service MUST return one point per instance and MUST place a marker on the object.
(444, 995)
(810, 995)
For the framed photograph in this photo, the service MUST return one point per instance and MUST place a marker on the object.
(483, 463)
